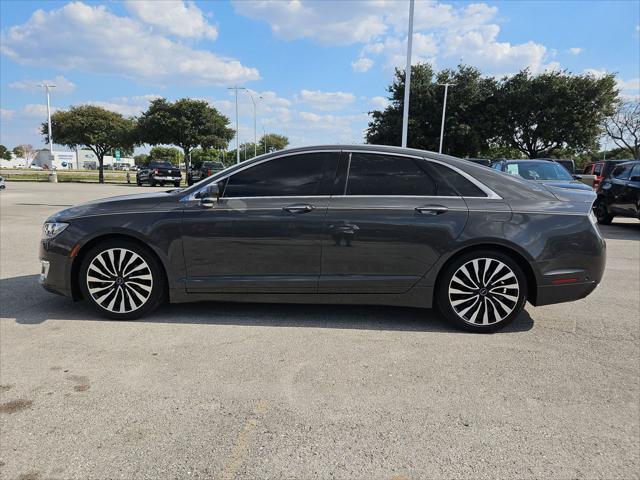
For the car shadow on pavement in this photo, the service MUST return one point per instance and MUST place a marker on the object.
(621, 231)
(22, 299)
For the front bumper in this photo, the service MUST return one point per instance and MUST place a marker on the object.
(55, 268)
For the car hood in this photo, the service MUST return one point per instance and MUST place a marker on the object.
(119, 204)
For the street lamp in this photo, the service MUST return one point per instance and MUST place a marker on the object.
(407, 79)
(47, 86)
(237, 128)
(255, 121)
(444, 111)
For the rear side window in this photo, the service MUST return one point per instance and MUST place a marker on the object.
(291, 176)
(375, 174)
(460, 184)
(622, 172)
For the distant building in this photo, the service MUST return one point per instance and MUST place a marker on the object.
(58, 160)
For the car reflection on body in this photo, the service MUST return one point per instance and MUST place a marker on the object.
(421, 230)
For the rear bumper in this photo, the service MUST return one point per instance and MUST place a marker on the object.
(549, 294)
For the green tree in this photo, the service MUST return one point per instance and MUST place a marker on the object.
(93, 127)
(468, 128)
(543, 114)
(269, 142)
(166, 154)
(5, 154)
(141, 159)
(186, 123)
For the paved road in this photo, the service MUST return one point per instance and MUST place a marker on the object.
(282, 391)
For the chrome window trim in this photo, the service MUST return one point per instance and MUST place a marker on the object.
(491, 195)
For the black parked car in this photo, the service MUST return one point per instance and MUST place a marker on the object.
(546, 172)
(159, 173)
(359, 224)
(204, 170)
(619, 194)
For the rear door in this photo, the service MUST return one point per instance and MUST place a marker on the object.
(388, 222)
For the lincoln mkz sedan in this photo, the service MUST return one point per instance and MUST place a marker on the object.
(334, 224)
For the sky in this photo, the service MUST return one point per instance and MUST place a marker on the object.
(315, 68)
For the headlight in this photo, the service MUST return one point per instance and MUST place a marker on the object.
(52, 229)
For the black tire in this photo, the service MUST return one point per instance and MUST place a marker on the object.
(138, 182)
(152, 183)
(601, 212)
(124, 294)
(189, 182)
(176, 184)
(477, 304)
(162, 184)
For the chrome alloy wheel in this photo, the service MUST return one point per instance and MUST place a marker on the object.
(483, 291)
(119, 280)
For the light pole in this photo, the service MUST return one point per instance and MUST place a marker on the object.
(255, 121)
(264, 138)
(444, 112)
(407, 79)
(237, 128)
(47, 86)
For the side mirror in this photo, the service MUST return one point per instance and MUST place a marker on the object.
(210, 196)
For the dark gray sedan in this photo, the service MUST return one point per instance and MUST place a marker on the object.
(334, 224)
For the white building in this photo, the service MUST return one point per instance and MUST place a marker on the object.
(59, 160)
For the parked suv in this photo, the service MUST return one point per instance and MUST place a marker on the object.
(619, 194)
(159, 172)
(206, 169)
(601, 170)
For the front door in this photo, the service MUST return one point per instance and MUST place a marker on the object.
(265, 233)
(390, 219)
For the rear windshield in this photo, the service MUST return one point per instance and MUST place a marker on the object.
(539, 171)
(162, 165)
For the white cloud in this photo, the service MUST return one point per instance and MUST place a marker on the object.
(6, 113)
(575, 51)
(126, 106)
(446, 32)
(183, 19)
(63, 86)
(362, 64)
(334, 22)
(379, 103)
(629, 89)
(595, 72)
(37, 110)
(92, 39)
(325, 100)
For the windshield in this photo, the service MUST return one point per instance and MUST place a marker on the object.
(539, 171)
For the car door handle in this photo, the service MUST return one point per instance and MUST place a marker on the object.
(298, 208)
(432, 210)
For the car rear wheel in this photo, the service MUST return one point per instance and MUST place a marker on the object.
(176, 184)
(122, 280)
(482, 291)
(603, 216)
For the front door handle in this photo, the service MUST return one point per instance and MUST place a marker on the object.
(432, 209)
(298, 208)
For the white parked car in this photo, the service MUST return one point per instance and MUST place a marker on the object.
(35, 167)
(2, 184)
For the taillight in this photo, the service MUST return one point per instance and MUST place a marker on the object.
(155, 171)
(209, 173)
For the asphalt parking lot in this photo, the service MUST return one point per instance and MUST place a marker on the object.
(283, 391)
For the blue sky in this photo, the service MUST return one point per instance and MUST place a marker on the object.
(319, 66)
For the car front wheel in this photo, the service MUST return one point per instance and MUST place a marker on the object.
(122, 280)
(482, 291)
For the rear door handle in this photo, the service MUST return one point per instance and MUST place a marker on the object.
(298, 208)
(432, 209)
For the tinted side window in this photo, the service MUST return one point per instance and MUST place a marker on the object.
(636, 171)
(460, 184)
(622, 172)
(374, 174)
(597, 169)
(291, 176)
